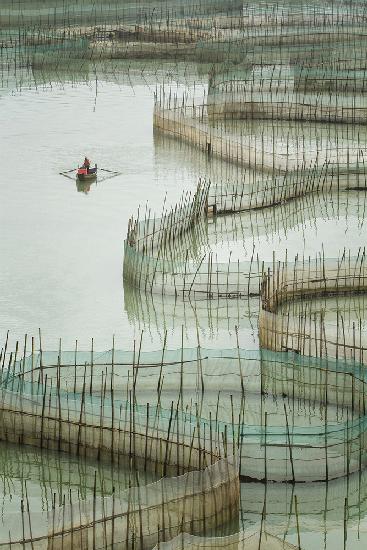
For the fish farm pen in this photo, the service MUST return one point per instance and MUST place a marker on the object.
(199, 379)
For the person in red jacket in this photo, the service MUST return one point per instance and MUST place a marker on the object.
(86, 163)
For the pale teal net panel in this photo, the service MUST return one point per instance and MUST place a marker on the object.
(195, 502)
(179, 388)
(254, 539)
(43, 414)
(284, 93)
(310, 334)
(85, 12)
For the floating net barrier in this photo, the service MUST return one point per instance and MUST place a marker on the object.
(310, 334)
(253, 540)
(320, 506)
(273, 33)
(170, 270)
(157, 258)
(201, 31)
(323, 51)
(32, 35)
(178, 220)
(276, 92)
(165, 271)
(194, 502)
(156, 312)
(234, 13)
(194, 369)
(113, 30)
(42, 414)
(175, 21)
(231, 82)
(234, 188)
(188, 36)
(252, 227)
(191, 370)
(193, 280)
(33, 13)
(197, 161)
(119, 48)
(313, 430)
(259, 193)
(267, 152)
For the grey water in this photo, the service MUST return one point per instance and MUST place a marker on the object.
(61, 247)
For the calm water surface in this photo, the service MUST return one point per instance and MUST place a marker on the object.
(62, 250)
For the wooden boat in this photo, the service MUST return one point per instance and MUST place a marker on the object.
(86, 174)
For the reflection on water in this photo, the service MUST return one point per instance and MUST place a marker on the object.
(46, 479)
(325, 511)
(84, 186)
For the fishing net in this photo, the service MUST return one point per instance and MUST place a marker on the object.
(244, 540)
(265, 152)
(307, 333)
(194, 502)
(42, 414)
(82, 12)
(172, 397)
(157, 258)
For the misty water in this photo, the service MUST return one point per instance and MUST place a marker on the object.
(62, 248)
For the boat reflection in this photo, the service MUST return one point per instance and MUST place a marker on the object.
(84, 186)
